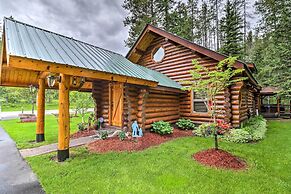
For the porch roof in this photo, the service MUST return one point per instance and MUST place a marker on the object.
(27, 44)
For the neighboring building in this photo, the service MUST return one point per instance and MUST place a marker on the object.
(142, 86)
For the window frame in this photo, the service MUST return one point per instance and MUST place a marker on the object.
(193, 100)
(155, 49)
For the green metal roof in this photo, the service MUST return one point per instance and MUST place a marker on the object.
(28, 41)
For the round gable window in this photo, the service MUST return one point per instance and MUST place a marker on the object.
(158, 54)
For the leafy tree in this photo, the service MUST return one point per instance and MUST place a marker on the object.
(81, 101)
(223, 76)
(231, 25)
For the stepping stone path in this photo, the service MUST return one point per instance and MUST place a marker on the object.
(54, 147)
(73, 143)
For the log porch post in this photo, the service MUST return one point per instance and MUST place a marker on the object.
(40, 111)
(64, 118)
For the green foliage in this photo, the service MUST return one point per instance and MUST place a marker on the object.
(122, 135)
(238, 136)
(204, 130)
(272, 49)
(162, 128)
(231, 25)
(81, 101)
(223, 76)
(104, 135)
(253, 130)
(185, 124)
(82, 126)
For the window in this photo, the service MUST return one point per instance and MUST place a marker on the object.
(199, 102)
(158, 54)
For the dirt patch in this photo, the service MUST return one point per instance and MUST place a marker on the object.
(84, 133)
(149, 139)
(220, 159)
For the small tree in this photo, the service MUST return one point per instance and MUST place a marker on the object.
(212, 82)
(82, 102)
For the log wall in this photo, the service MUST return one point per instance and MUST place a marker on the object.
(176, 65)
(161, 105)
(100, 94)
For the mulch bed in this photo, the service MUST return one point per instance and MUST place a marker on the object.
(220, 159)
(149, 139)
(84, 133)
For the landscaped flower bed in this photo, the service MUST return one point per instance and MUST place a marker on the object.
(84, 133)
(149, 139)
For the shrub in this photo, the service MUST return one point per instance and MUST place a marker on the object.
(81, 126)
(204, 130)
(253, 130)
(122, 135)
(104, 135)
(185, 124)
(238, 136)
(162, 128)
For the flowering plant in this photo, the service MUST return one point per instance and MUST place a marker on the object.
(222, 127)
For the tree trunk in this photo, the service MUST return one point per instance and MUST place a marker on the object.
(216, 141)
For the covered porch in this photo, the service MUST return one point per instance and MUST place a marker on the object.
(29, 58)
(274, 106)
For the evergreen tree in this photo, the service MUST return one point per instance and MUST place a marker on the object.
(192, 8)
(181, 23)
(216, 4)
(165, 8)
(204, 24)
(248, 45)
(231, 25)
(275, 48)
(141, 12)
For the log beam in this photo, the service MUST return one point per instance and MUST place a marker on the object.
(40, 111)
(64, 118)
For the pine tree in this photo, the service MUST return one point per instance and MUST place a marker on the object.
(165, 8)
(275, 27)
(141, 12)
(248, 45)
(204, 24)
(231, 26)
(192, 18)
(181, 22)
(216, 4)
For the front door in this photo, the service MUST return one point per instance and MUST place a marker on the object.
(116, 104)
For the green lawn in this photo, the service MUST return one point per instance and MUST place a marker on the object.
(24, 133)
(169, 168)
(27, 107)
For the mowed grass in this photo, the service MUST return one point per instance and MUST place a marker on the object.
(169, 168)
(24, 133)
(54, 105)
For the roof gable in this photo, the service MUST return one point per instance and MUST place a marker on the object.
(150, 32)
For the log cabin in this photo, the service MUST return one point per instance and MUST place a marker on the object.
(143, 86)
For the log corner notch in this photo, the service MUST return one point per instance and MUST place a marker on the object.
(64, 118)
(141, 107)
(40, 111)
